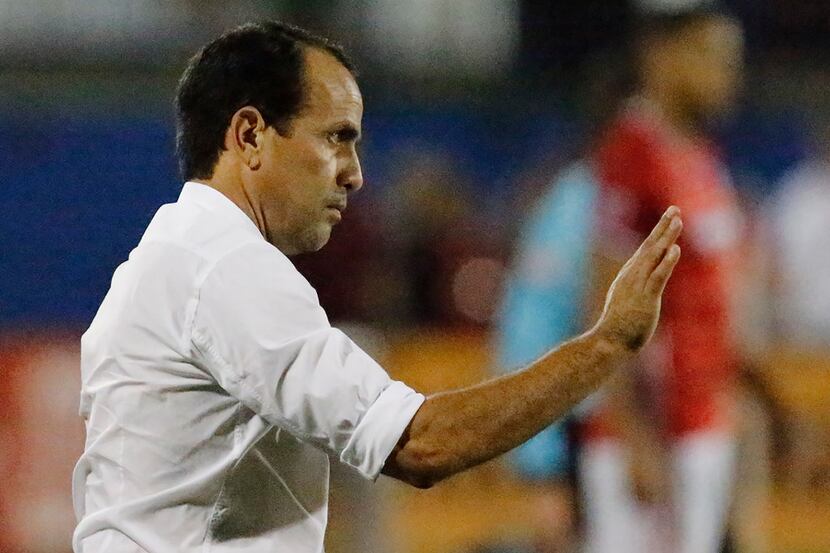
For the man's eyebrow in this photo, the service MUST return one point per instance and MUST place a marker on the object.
(348, 132)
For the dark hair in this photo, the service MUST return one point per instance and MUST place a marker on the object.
(259, 65)
(670, 23)
(621, 77)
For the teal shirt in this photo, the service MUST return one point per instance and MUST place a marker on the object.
(545, 294)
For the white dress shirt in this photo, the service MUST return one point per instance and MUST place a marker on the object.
(214, 391)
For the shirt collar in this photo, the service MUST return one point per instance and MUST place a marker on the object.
(213, 200)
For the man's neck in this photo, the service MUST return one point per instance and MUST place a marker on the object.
(674, 114)
(235, 191)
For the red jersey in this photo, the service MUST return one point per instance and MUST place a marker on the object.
(644, 166)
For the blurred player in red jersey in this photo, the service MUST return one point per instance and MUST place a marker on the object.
(658, 451)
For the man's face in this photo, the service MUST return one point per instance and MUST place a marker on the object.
(710, 66)
(306, 175)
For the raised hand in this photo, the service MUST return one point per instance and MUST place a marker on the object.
(632, 305)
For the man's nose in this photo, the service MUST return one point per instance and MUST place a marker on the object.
(351, 178)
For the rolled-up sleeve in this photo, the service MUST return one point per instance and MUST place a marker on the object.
(260, 332)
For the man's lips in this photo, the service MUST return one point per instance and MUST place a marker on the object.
(339, 206)
(337, 209)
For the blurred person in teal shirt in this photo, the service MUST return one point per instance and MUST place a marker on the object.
(544, 304)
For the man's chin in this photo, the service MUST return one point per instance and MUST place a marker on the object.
(308, 242)
(318, 239)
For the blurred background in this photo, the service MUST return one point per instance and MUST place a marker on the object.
(474, 108)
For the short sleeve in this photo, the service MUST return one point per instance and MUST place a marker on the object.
(259, 330)
(626, 168)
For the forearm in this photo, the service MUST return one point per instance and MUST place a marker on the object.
(456, 430)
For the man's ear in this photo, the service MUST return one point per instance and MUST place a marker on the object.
(246, 135)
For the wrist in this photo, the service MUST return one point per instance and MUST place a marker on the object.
(609, 344)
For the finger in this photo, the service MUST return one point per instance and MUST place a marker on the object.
(661, 226)
(657, 251)
(660, 275)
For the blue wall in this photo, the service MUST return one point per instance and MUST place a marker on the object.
(78, 192)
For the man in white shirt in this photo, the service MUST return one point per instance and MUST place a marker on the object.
(214, 389)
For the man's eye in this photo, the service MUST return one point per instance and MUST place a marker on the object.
(341, 136)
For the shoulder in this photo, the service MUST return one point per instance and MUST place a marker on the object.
(629, 133)
(565, 204)
(184, 243)
(256, 295)
(628, 152)
(203, 232)
(257, 259)
(257, 273)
